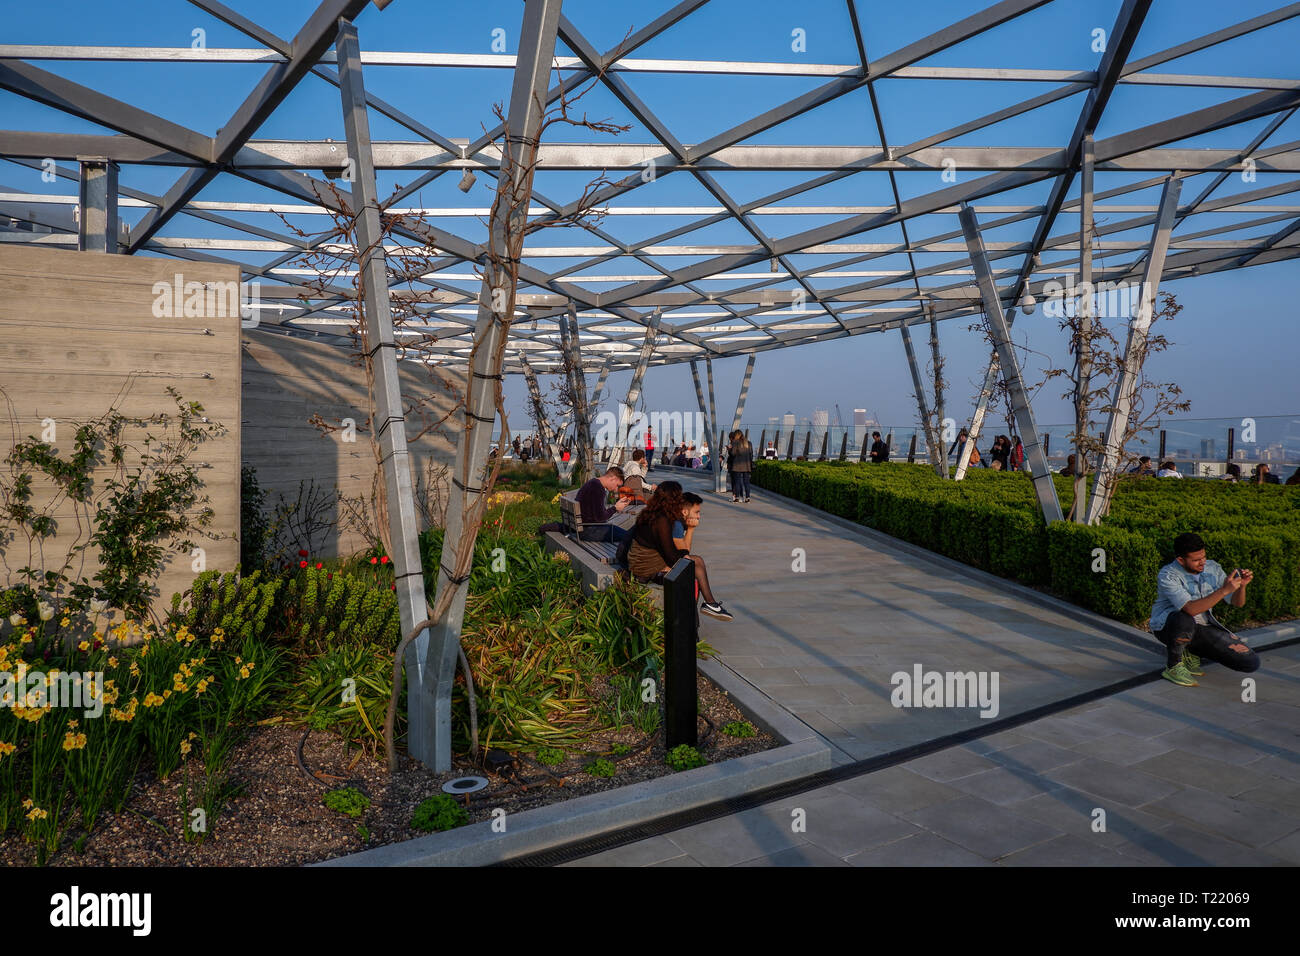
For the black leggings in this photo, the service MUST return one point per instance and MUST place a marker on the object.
(1181, 632)
(740, 484)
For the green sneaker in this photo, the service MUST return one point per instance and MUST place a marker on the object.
(1179, 674)
(1193, 664)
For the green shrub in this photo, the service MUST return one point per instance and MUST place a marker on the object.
(600, 767)
(992, 521)
(347, 800)
(550, 756)
(739, 728)
(684, 757)
(439, 812)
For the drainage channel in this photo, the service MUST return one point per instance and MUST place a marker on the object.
(588, 846)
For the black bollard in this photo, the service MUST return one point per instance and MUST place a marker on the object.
(681, 632)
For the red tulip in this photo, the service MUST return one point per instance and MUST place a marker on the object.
(392, 587)
(302, 553)
(319, 565)
(374, 560)
(384, 559)
(302, 564)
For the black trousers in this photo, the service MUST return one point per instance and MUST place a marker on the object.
(1214, 643)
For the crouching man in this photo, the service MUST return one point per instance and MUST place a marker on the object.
(1186, 590)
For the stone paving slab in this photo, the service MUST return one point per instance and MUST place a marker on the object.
(828, 640)
(1017, 798)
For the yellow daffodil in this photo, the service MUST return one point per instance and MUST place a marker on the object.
(35, 814)
(6, 749)
(84, 646)
(73, 741)
(152, 700)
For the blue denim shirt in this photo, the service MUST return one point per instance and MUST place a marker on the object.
(1175, 586)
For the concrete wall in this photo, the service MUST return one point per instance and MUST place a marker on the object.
(286, 381)
(78, 334)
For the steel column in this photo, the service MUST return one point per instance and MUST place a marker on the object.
(1084, 320)
(1024, 414)
(582, 447)
(926, 424)
(97, 224)
(390, 424)
(1135, 350)
(941, 449)
(431, 738)
(634, 387)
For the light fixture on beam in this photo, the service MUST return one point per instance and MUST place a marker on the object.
(1027, 303)
(467, 180)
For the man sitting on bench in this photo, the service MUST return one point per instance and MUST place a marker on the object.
(591, 499)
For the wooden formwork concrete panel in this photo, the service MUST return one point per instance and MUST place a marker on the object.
(81, 333)
(286, 381)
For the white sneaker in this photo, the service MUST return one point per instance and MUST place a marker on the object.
(716, 610)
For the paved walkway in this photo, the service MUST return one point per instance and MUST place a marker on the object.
(1185, 776)
(824, 643)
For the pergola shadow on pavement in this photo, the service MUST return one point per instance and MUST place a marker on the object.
(1151, 775)
(825, 642)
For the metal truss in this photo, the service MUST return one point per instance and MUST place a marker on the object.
(700, 300)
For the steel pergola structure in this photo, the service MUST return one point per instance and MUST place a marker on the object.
(808, 286)
(929, 252)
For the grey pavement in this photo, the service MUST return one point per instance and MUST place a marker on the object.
(825, 642)
(1156, 775)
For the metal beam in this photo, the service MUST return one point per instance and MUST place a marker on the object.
(1083, 351)
(280, 80)
(628, 409)
(921, 403)
(97, 222)
(536, 51)
(744, 391)
(1134, 353)
(569, 342)
(715, 458)
(1024, 414)
(390, 424)
(940, 456)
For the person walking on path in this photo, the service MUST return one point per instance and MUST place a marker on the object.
(649, 447)
(1187, 589)
(740, 463)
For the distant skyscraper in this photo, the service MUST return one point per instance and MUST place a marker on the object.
(821, 418)
(859, 426)
(787, 420)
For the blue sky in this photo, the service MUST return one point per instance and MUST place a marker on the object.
(1235, 347)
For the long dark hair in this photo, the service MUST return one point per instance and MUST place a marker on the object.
(666, 502)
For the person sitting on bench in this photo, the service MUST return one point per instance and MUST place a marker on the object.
(660, 531)
(591, 499)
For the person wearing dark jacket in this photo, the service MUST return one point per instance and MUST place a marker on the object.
(740, 462)
(879, 450)
(591, 499)
(654, 546)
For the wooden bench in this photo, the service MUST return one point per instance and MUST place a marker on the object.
(571, 517)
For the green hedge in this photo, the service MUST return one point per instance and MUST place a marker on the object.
(991, 521)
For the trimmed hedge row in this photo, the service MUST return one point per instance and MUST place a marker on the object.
(991, 521)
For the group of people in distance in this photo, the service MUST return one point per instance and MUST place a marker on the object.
(1007, 454)
(526, 448)
(1261, 474)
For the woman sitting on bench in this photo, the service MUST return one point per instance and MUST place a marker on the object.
(653, 551)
